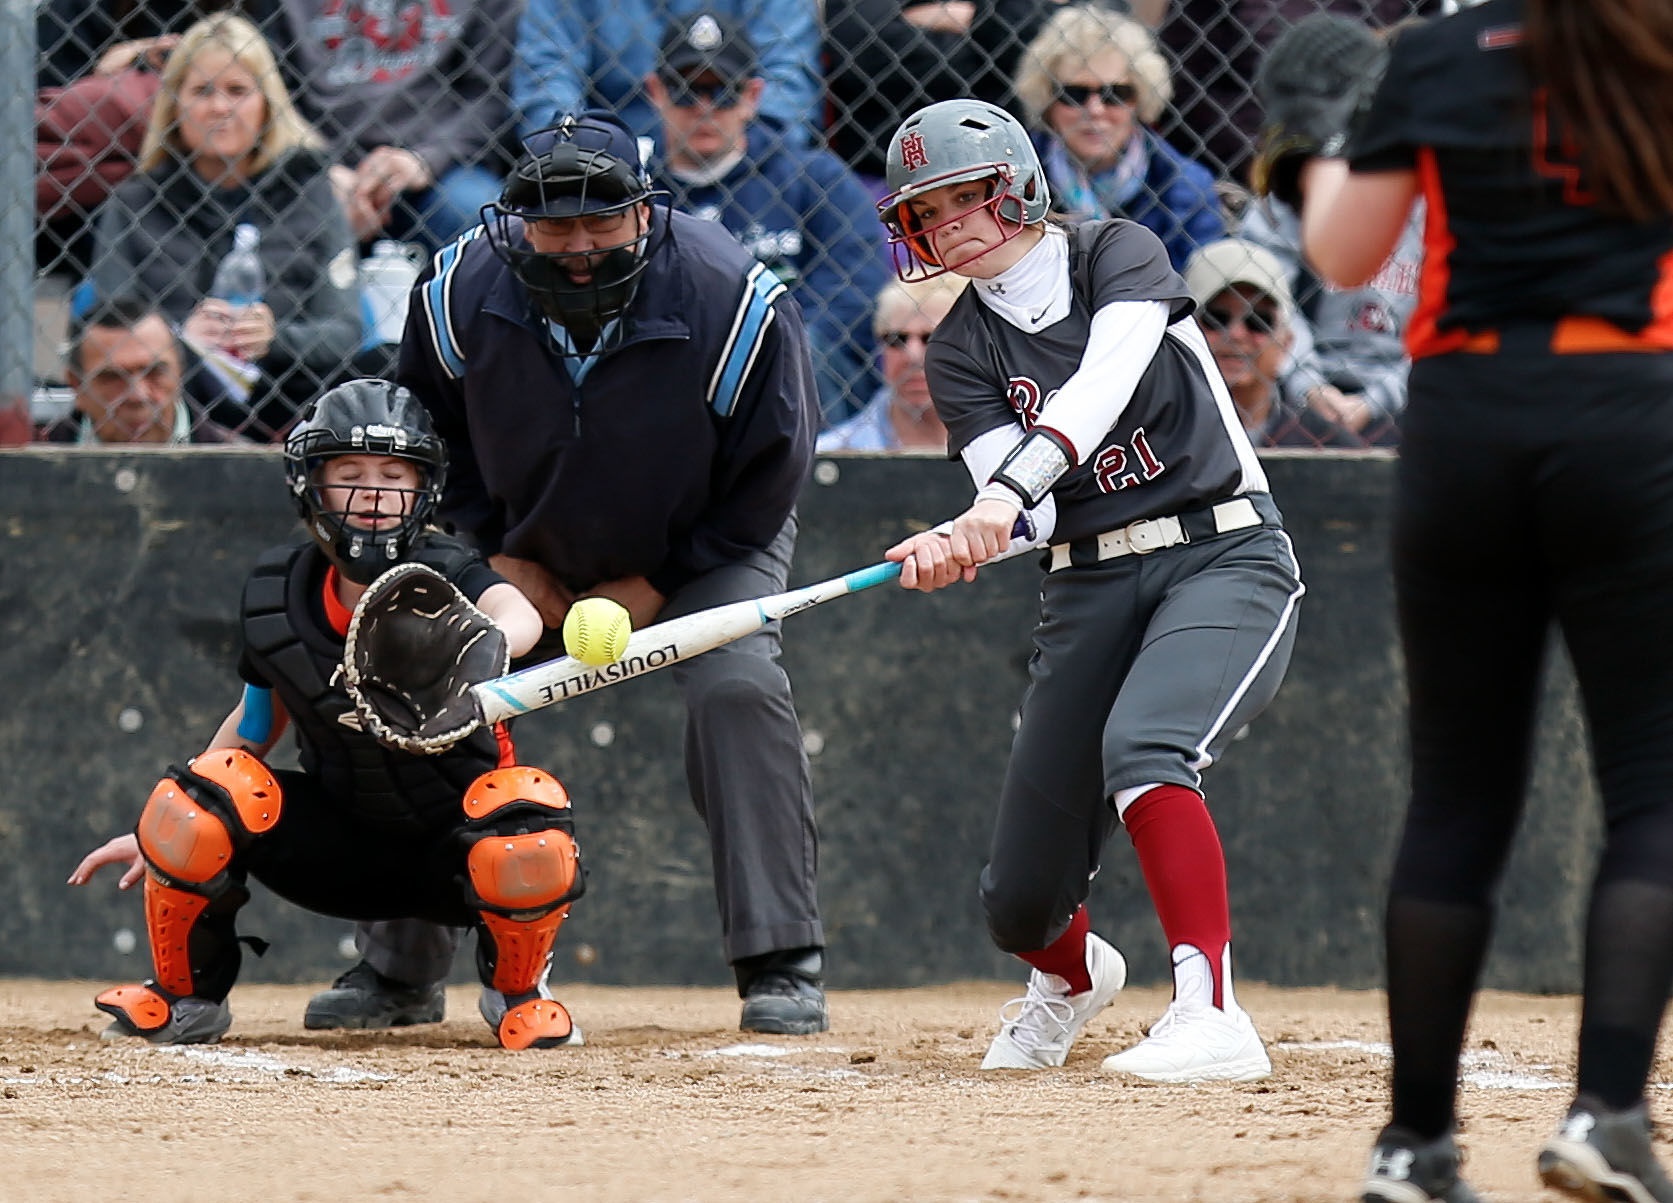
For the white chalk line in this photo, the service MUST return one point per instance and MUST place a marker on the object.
(1485, 1069)
(253, 1065)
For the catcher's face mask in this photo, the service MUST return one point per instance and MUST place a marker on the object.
(366, 471)
(576, 222)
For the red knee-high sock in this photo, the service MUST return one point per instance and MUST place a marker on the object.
(1185, 871)
(1066, 955)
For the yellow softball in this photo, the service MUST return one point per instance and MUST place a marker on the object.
(596, 630)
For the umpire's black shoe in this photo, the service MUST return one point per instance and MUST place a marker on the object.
(1405, 1168)
(1604, 1156)
(365, 998)
(783, 993)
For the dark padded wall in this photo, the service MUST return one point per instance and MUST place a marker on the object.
(118, 585)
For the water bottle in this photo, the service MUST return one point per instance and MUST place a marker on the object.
(239, 280)
(386, 279)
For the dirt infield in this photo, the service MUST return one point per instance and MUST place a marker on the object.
(669, 1102)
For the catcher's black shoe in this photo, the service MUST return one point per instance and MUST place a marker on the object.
(1604, 1156)
(1405, 1168)
(365, 998)
(783, 993)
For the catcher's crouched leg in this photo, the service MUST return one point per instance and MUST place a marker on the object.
(523, 871)
(194, 824)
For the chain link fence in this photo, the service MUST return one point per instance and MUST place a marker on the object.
(357, 137)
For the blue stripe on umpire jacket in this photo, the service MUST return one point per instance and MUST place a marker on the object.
(681, 448)
(808, 218)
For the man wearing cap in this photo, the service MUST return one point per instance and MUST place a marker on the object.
(627, 400)
(798, 210)
(576, 54)
(1248, 315)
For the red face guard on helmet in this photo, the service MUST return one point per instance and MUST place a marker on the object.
(918, 260)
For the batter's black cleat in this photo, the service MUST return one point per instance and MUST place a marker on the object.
(1604, 1156)
(365, 998)
(783, 993)
(1405, 1168)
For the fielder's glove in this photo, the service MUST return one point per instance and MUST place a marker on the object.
(415, 647)
(1313, 83)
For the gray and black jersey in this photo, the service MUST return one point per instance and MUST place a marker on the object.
(1177, 444)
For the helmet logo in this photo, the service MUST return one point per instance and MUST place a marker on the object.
(912, 154)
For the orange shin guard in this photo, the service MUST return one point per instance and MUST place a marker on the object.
(536, 1021)
(170, 914)
(140, 1007)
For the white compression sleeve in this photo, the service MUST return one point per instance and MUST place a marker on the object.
(1119, 348)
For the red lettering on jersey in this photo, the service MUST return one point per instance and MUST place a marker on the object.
(1109, 469)
(1024, 396)
(912, 154)
(1556, 154)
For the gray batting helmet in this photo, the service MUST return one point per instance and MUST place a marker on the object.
(954, 141)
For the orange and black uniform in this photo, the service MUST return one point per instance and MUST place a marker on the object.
(366, 832)
(1535, 489)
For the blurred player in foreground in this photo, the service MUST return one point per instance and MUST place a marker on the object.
(1535, 490)
(1085, 402)
(465, 837)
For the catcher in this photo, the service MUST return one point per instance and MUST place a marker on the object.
(462, 837)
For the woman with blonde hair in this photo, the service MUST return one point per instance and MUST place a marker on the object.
(1092, 83)
(226, 148)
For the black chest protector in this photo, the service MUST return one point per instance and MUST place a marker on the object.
(290, 646)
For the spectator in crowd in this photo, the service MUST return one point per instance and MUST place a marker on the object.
(885, 60)
(1217, 45)
(1247, 313)
(1091, 82)
(413, 104)
(798, 210)
(130, 377)
(1352, 371)
(580, 54)
(226, 147)
(901, 416)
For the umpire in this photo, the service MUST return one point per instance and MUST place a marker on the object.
(628, 403)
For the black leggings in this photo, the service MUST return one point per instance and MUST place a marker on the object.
(1535, 495)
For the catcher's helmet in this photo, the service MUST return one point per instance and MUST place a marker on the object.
(364, 417)
(586, 166)
(949, 143)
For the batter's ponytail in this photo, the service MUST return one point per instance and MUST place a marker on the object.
(1607, 66)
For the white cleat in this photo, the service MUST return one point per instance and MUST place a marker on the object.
(1040, 1027)
(1196, 1044)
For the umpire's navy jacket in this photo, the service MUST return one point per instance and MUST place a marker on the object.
(679, 449)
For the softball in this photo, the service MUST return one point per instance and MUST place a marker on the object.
(596, 630)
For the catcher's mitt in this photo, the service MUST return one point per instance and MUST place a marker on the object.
(1312, 84)
(415, 647)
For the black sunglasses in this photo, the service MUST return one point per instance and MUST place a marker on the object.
(1113, 95)
(683, 94)
(896, 340)
(1255, 321)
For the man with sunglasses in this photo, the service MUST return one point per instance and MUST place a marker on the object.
(1248, 313)
(798, 210)
(901, 415)
(627, 401)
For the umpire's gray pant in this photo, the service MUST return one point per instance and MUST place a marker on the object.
(749, 781)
